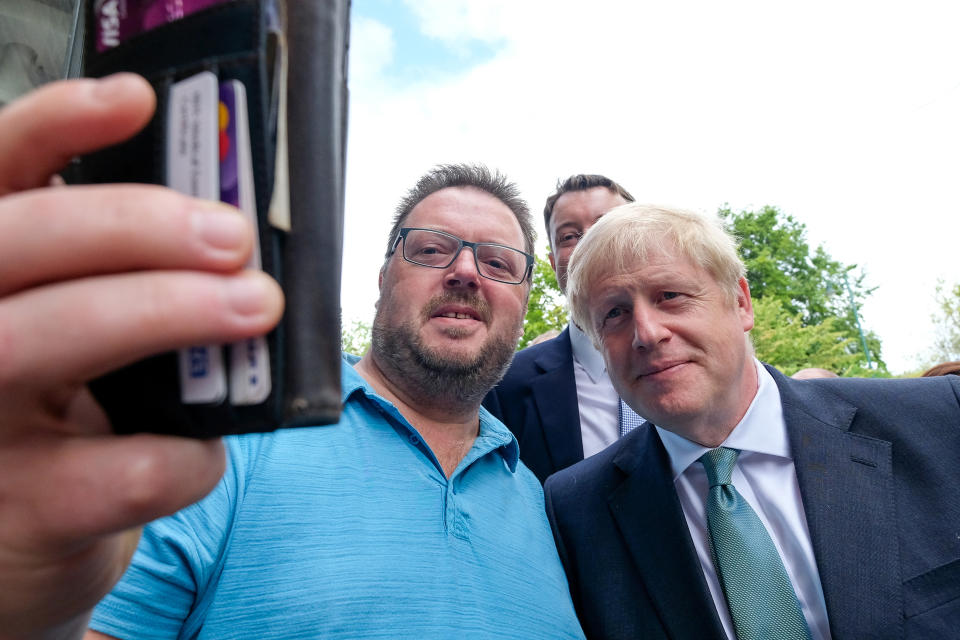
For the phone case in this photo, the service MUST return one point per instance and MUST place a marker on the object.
(233, 41)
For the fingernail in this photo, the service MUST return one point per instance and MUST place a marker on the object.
(221, 228)
(112, 86)
(248, 294)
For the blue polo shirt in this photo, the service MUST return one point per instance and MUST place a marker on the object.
(352, 531)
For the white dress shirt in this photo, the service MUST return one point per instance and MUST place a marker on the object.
(598, 401)
(766, 478)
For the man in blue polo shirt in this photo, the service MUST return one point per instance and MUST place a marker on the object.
(411, 517)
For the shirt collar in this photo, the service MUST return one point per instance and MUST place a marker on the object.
(492, 436)
(585, 354)
(761, 430)
(350, 380)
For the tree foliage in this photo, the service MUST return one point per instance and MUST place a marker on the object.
(946, 321)
(782, 339)
(817, 296)
(547, 308)
(355, 339)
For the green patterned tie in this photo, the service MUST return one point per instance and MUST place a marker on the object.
(762, 602)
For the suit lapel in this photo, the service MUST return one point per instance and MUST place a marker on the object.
(648, 513)
(846, 481)
(555, 395)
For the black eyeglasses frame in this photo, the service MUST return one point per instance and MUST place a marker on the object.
(402, 236)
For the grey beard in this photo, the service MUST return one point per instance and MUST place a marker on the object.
(451, 380)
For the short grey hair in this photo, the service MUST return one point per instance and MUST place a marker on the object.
(477, 176)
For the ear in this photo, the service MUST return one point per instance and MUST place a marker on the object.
(744, 304)
(553, 262)
(380, 278)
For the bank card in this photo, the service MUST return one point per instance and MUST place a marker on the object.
(250, 358)
(193, 168)
(117, 20)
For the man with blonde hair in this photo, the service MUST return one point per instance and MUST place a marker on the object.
(758, 506)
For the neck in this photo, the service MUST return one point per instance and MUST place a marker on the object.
(448, 425)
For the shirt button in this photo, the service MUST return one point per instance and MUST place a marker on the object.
(414, 439)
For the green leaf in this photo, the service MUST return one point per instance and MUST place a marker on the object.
(547, 308)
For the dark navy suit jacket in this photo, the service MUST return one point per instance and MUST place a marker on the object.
(878, 463)
(537, 400)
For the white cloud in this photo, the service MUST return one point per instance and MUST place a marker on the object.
(371, 51)
(453, 21)
(841, 114)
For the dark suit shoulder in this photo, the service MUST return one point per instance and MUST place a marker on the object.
(884, 389)
(877, 402)
(531, 361)
(504, 399)
(598, 474)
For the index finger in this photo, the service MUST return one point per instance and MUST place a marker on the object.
(42, 131)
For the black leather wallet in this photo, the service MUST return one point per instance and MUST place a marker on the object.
(237, 40)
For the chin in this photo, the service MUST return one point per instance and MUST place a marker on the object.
(669, 410)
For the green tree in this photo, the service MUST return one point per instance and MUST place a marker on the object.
(946, 321)
(355, 339)
(547, 308)
(782, 339)
(811, 287)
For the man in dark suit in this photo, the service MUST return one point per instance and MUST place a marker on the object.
(836, 499)
(557, 397)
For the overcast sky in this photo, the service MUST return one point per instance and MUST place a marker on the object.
(845, 115)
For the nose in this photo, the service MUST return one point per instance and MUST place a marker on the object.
(462, 272)
(648, 327)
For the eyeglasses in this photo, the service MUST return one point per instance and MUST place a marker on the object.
(438, 250)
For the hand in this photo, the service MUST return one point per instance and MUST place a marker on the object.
(93, 278)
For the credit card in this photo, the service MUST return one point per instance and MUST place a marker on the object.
(193, 168)
(117, 20)
(250, 358)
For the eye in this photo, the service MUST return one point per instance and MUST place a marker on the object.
(670, 295)
(612, 318)
(568, 238)
(431, 250)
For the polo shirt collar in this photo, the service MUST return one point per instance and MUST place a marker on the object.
(761, 430)
(493, 436)
(350, 380)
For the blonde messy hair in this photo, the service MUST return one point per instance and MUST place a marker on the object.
(628, 236)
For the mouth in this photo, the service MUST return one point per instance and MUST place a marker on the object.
(457, 312)
(458, 315)
(662, 369)
(458, 307)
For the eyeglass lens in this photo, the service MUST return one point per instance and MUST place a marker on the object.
(433, 249)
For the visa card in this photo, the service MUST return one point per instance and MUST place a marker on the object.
(250, 358)
(193, 168)
(117, 20)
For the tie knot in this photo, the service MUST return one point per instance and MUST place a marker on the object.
(719, 464)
